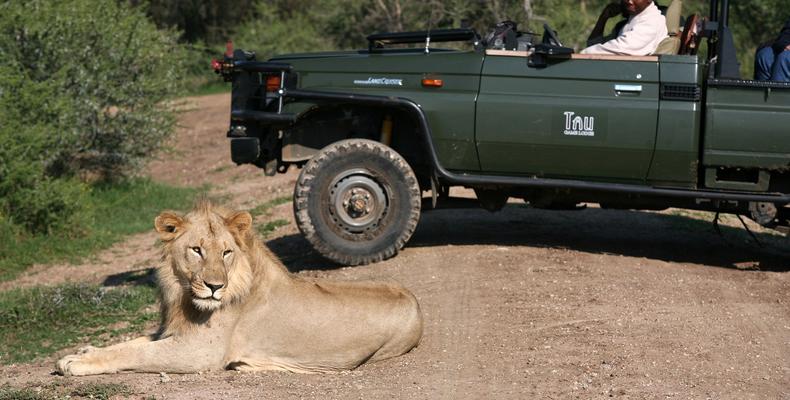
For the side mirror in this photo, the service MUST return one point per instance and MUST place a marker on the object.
(543, 52)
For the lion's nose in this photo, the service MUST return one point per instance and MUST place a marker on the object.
(213, 286)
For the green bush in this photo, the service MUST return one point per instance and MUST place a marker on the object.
(112, 72)
(29, 196)
(84, 92)
(274, 31)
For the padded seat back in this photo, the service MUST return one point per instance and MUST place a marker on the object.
(671, 44)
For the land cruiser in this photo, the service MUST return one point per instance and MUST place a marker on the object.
(383, 133)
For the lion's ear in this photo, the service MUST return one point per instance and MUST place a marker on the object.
(169, 225)
(240, 221)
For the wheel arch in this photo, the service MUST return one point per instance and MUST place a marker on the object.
(321, 125)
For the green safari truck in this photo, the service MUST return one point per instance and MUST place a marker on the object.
(383, 133)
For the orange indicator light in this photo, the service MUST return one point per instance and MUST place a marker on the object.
(427, 82)
(272, 83)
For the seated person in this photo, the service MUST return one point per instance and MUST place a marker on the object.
(772, 62)
(639, 36)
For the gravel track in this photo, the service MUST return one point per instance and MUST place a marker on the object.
(519, 304)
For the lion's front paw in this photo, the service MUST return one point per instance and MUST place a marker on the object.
(78, 365)
(65, 366)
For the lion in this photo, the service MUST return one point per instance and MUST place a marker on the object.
(228, 303)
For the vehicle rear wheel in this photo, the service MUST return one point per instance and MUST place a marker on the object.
(357, 201)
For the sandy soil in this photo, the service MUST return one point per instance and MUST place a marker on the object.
(519, 304)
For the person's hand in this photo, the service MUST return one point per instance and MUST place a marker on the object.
(787, 48)
(612, 10)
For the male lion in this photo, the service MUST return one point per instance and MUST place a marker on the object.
(228, 303)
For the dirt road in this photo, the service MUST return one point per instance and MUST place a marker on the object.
(520, 304)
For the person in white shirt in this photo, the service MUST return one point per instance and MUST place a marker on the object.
(641, 34)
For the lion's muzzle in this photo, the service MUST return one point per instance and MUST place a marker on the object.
(207, 295)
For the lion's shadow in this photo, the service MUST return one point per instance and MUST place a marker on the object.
(660, 236)
(139, 277)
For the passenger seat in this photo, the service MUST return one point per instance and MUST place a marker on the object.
(671, 45)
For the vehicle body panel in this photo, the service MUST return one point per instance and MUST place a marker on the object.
(676, 158)
(449, 109)
(747, 127)
(527, 118)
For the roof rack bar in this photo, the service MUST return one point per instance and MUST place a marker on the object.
(378, 40)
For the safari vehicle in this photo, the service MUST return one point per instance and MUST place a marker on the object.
(375, 129)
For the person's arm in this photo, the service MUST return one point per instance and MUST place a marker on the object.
(634, 42)
(611, 10)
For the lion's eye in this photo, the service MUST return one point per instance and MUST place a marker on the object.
(226, 253)
(197, 251)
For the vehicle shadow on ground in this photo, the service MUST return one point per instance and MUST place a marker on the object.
(659, 236)
(297, 254)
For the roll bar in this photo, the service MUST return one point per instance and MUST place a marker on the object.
(378, 40)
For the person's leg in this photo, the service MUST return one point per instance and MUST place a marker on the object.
(781, 68)
(763, 64)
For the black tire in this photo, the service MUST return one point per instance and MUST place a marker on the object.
(357, 201)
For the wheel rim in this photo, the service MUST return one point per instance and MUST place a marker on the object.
(357, 201)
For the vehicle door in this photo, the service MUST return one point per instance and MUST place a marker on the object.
(582, 116)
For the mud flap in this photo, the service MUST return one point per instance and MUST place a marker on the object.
(244, 150)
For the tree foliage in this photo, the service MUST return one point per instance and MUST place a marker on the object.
(281, 29)
(753, 23)
(210, 21)
(281, 26)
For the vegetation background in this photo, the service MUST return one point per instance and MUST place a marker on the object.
(88, 87)
(282, 26)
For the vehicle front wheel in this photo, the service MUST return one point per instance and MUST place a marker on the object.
(357, 201)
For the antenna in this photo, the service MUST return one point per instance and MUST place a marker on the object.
(428, 42)
(428, 35)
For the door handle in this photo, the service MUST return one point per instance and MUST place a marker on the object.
(632, 89)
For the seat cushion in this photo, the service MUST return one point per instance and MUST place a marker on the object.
(670, 45)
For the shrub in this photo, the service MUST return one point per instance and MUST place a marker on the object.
(29, 197)
(84, 90)
(111, 71)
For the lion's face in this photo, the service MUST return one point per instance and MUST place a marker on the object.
(204, 259)
(207, 258)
